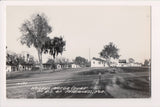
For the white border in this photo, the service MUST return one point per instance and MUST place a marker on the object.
(155, 47)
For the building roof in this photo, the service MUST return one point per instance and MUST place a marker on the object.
(46, 64)
(122, 61)
(98, 59)
(26, 64)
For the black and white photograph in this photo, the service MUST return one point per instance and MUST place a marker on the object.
(78, 52)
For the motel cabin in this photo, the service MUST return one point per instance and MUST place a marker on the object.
(25, 67)
(47, 66)
(73, 65)
(21, 67)
(98, 62)
(66, 65)
(56, 66)
(11, 67)
(122, 63)
(136, 64)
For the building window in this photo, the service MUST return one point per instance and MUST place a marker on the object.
(99, 62)
(93, 62)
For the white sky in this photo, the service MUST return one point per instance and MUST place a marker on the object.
(85, 27)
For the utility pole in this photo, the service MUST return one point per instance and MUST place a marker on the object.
(89, 54)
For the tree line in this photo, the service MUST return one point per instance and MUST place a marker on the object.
(19, 59)
(81, 61)
(35, 33)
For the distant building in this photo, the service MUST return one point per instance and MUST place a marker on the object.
(74, 65)
(47, 66)
(20, 67)
(98, 62)
(122, 63)
(53, 66)
(136, 64)
(11, 68)
(64, 65)
(25, 67)
(58, 66)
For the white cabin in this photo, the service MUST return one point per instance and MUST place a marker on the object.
(97, 62)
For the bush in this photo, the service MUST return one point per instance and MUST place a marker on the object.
(35, 68)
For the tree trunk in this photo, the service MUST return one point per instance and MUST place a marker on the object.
(108, 62)
(40, 59)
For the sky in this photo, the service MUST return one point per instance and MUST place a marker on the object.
(86, 29)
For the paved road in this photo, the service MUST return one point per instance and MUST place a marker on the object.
(66, 77)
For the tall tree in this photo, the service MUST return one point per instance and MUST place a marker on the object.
(81, 61)
(146, 62)
(54, 46)
(31, 60)
(12, 59)
(34, 33)
(52, 62)
(109, 51)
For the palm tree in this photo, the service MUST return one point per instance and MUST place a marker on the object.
(54, 46)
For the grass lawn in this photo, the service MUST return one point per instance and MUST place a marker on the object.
(71, 90)
(84, 83)
(24, 74)
(131, 88)
(29, 74)
(135, 69)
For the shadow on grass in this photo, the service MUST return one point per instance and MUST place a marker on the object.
(139, 84)
(135, 69)
(94, 72)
